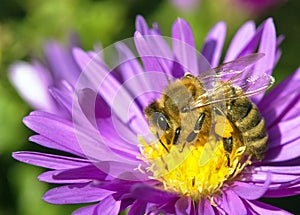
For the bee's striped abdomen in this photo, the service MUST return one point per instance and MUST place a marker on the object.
(248, 120)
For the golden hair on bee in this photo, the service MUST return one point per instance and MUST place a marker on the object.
(183, 115)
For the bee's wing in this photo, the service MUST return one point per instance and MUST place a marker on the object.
(230, 68)
(222, 90)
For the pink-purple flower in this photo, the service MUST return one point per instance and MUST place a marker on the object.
(94, 112)
(187, 5)
(259, 6)
(252, 6)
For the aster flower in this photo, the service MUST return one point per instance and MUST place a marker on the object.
(259, 6)
(108, 133)
(253, 6)
(42, 85)
(185, 5)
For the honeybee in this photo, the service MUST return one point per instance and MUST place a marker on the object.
(218, 98)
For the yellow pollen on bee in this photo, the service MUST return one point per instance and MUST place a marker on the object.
(199, 170)
(223, 127)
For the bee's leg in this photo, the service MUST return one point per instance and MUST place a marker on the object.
(180, 150)
(227, 144)
(196, 130)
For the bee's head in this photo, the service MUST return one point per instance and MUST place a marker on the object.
(163, 122)
(169, 117)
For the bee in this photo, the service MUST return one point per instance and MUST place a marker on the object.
(218, 99)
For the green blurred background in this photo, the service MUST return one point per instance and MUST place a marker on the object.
(26, 25)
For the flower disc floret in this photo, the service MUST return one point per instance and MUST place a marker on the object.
(199, 170)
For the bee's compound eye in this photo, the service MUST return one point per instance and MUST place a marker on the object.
(161, 120)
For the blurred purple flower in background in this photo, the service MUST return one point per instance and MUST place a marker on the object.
(256, 7)
(107, 171)
(43, 84)
(259, 6)
(186, 5)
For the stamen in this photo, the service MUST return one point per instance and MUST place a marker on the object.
(199, 170)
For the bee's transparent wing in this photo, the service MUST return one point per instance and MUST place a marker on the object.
(229, 69)
(219, 84)
(223, 90)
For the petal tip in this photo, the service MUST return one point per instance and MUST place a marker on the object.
(137, 34)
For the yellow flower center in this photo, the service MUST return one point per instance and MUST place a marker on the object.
(199, 170)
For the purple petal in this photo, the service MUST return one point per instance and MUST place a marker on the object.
(62, 131)
(158, 209)
(46, 142)
(48, 160)
(184, 206)
(279, 176)
(286, 111)
(64, 100)
(135, 80)
(49, 177)
(98, 171)
(123, 106)
(92, 105)
(54, 128)
(220, 211)
(277, 56)
(184, 46)
(240, 40)
(213, 45)
(155, 54)
(280, 169)
(123, 170)
(287, 94)
(62, 63)
(251, 46)
(85, 210)
(126, 203)
(251, 191)
(141, 25)
(149, 194)
(278, 53)
(76, 193)
(181, 30)
(129, 65)
(284, 132)
(85, 172)
(162, 51)
(145, 51)
(159, 46)
(98, 78)
(119, 186)
(137, 208)
(32, 84)
(154, 63)
(262, 208)
(117, 131)
(108, 206)
(155, 28)
(121, 138)
(205, 207)
(282, 153)
(268, 47)
(285, 192)
(81, 57)
(232, 204)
